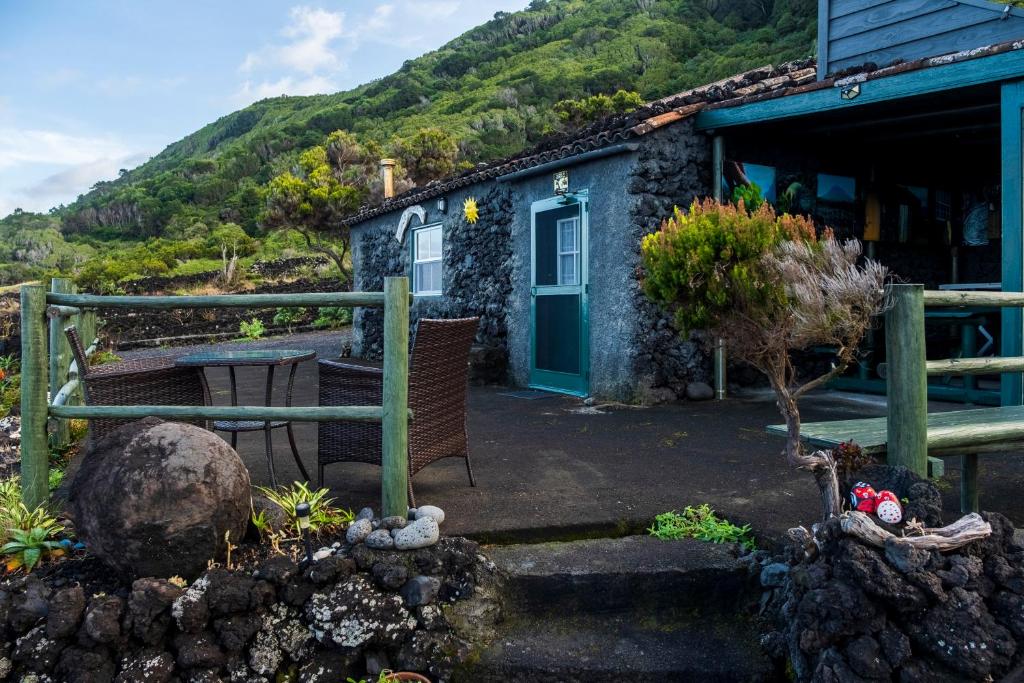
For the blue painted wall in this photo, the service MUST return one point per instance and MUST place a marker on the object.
(855, 32)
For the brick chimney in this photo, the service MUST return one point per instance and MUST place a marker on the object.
(387, 174)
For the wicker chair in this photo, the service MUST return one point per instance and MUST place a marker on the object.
(438, 378)
(145, 381)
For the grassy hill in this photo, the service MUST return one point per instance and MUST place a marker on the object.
(494, 88)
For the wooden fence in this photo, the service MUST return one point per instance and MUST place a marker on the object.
(907, 371)
(47, 373)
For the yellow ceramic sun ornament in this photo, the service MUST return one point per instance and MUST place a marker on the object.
(469, 209)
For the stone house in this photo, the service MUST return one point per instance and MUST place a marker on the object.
(551, 263)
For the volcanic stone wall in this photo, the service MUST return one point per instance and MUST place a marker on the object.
(674, 169)
(476, 272)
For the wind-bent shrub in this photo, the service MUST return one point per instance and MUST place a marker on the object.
(768, 285)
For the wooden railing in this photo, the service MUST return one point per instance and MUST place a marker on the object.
(46, 368)
(907, 372)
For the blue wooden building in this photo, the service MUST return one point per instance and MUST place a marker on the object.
(906, 134)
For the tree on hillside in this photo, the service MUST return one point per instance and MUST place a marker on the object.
(331, 181)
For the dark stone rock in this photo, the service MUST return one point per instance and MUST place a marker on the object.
(30, 606)
(78, 665)
(234, 632)
(396, 522)
(103, 618)
(191, 610)
(198, 651)
(328, 666)
(278, 570)
(229, 593)
(896, 646)
(149, 608)
(356, 613)
(906, 558)
(699, 391)
(828, 615)
(962, 635)
(297, 592)
(390, 572)
(865, 658)
(1008, 609)
(150, 665)
(773, 575)
(865, 567)
(66, 608)
(156, 498)
(35, 651)
(330, 569)
(420, 590)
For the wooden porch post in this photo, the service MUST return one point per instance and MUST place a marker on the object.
(395, 422)
(907, 385)
(1012, 140)
(35, 452)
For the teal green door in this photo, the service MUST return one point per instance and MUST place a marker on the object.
(559, 353)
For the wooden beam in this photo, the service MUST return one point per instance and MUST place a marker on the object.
(974, 366)
(35, 451)
(1011, 103)
(955, 299)
(347, 299)
(255, 413)
(395, 424)
(929, 79)
(907, 387)
(954, 436)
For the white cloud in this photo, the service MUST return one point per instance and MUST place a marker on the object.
(313, 31)
(286, 85)
(35, 146)
(433, 9)
(54, 167)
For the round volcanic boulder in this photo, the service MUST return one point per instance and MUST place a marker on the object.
(156, 498)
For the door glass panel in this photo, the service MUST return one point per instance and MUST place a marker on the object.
(558, 333)
(568, 276)
(548, 243)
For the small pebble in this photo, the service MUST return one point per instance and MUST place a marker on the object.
(380, 540)
(365, 513)
(358, 531)
(322, 554)
(422, 533)
(336, 545)
(432, 511)
(395, 522)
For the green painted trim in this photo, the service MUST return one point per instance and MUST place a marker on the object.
(547, 380)
(932, 79)
(1012, 134)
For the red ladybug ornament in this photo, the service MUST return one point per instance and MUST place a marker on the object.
(888, 508)
(862, 497)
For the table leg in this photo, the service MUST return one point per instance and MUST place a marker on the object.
(267, 427)
(288, 426)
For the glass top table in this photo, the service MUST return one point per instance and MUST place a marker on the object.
(270, 359)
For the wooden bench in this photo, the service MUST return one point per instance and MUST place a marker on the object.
(909, 435)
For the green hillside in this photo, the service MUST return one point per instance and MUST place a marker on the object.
(494, 89)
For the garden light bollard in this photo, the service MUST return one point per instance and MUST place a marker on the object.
(35, 451)
(302, 512)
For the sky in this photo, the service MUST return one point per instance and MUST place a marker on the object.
(87, 88)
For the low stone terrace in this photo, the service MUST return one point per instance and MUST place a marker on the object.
(554, 468)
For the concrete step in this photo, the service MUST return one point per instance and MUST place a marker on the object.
(634, 572)
(621, 647)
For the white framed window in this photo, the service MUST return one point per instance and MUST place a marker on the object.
(426, 261)
(568, 251)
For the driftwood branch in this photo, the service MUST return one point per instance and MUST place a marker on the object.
(968, 528)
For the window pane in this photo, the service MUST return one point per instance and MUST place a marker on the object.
(435, 276)
(417, 278)
(568, 262)
(567, 236)
(435, 243)
(422, 244)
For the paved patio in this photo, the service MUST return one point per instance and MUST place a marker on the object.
(555, 468)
